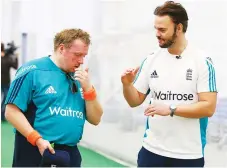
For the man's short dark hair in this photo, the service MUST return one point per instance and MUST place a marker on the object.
(175, 11)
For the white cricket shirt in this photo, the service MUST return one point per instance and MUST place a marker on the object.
(176, 81)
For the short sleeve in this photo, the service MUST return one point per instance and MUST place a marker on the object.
(20, 91)
(207, 77)
(141, 82)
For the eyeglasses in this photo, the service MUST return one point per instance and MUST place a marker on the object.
(73, 86)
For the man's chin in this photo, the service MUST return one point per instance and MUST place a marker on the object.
(71, 70)
(163, 46)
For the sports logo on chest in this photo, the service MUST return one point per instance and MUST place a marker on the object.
(50, 90)
(154, 74)
(189, 74)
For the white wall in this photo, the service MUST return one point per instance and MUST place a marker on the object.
(41, 19)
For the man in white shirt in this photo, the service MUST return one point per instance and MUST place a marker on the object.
(183, 94)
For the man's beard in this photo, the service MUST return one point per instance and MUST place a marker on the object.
(171, 41)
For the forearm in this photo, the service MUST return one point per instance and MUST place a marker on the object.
(93, 111)
(197, 110)
(18, 120)
(131, 95)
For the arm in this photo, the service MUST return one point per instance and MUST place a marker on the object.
(135, 85)
(14, 115)
(93, 108)
(93, 111)
(18, 98)
(204, 108)
(207, 93)
(132, 96)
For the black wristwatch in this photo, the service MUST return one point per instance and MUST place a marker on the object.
(172, 108)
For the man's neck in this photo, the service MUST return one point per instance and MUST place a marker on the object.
(55, 58)
(178, 47)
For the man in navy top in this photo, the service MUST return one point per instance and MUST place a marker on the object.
(50, 99)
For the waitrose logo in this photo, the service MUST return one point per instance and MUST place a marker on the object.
(172, 96)
(66, 112)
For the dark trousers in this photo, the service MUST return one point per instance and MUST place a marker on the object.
(149, 159)
(4, 92)
(26, 155)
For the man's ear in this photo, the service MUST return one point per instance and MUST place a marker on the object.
(180, 28)
(61, 48)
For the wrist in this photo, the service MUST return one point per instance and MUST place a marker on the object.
(90, 94)
(87, 89)
(38, 141)
(127, 85)
(33, 137)
(172, 109)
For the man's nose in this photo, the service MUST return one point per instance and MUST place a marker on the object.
(158, 34)
(81, 60)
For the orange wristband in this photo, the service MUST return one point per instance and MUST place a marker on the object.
(90, 95)
(33, 137)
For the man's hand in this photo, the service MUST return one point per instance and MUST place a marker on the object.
(44, 144)
(128, 76)
(158, 109)
(82, 77)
